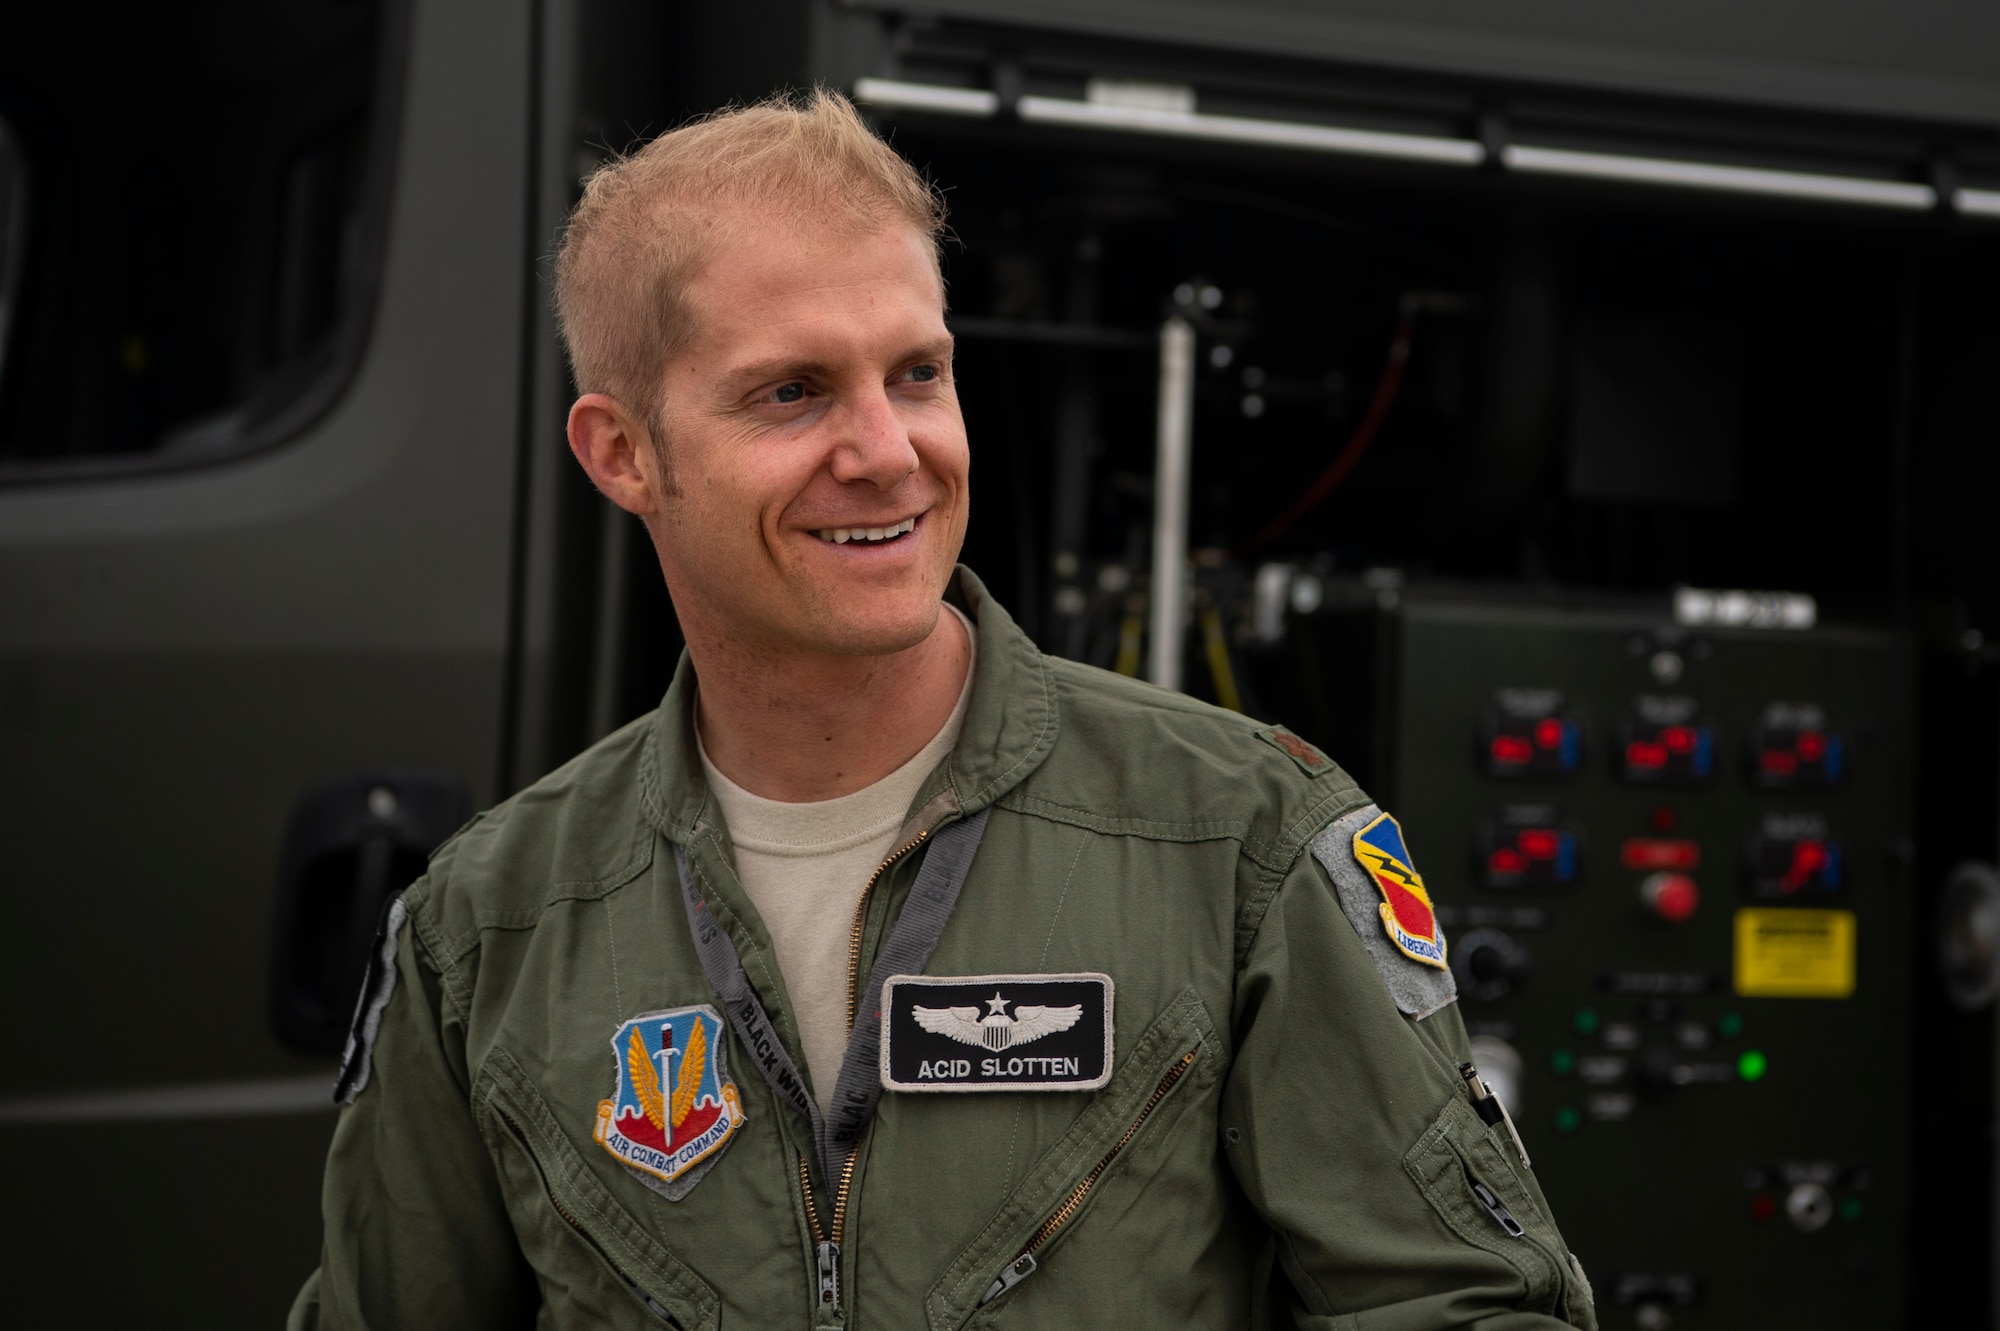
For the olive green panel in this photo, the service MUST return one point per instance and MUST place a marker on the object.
(1925, 58)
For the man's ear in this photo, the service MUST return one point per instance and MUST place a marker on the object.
(616, 452)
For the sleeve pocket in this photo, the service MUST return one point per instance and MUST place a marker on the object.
(1461, 1169)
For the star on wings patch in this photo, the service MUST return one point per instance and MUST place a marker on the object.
(996, 1032)
(673, 1107)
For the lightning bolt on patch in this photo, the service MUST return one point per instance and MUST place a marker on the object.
(1407, 916)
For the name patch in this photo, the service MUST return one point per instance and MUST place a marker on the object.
(996, 1032)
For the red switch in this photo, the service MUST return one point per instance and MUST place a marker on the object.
(1671, 896)
(1660, 853)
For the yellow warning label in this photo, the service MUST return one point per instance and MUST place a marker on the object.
(1795, 953)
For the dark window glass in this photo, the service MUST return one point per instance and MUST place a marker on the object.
(198, 229)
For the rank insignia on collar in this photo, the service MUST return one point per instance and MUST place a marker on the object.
(1309, 759)
(1406, 911)
(673, 1107)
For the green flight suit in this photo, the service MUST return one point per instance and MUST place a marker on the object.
(1305, 1153)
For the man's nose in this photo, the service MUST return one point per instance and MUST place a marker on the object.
(873, 443)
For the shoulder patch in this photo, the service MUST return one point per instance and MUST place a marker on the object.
(1309, 759)
(1384, 898)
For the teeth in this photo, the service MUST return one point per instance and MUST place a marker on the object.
(842, 535)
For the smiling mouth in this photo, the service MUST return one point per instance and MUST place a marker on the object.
(866, 535)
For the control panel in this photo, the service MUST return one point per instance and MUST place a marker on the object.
(1671, 865)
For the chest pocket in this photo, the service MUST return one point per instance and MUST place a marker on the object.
(1177, 1056)
(587, 1250)
(1462, 1167)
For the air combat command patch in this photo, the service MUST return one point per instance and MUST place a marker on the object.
(673, 1107)
(1406, 911)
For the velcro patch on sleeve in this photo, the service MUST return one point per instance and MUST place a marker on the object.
(378, 985)
(996, 1032)
(1384, 899)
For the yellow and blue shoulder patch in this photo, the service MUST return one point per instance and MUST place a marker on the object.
(1384, 898)
(1309, 759)
(1406, 911)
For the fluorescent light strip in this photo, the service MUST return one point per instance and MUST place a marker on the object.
(1240, 129)
(1978, 202)
(976, 102)
(1708, 176)
(1525, 158)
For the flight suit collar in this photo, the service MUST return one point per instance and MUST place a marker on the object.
(1010, 726)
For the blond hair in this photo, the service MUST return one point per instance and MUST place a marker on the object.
(648, 221)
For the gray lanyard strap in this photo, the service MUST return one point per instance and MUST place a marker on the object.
(905, 952)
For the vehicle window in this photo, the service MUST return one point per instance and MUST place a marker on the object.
(188, 208)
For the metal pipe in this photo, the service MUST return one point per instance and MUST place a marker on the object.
(1171, 459)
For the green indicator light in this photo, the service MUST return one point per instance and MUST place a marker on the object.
(1729, 1025)
(1751, 1065)
(1563, 1062)
(1568, 1120)
(1586, 1020)
(1850, 1210)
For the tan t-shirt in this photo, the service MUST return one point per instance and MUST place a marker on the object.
(804, 867)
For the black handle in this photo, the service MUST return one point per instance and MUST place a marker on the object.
(354, 842)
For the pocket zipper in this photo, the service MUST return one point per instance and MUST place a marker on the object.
(1024, 1264)
(1497, 1209)
(652, 1304)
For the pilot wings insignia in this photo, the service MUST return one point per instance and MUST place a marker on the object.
(996, 1030)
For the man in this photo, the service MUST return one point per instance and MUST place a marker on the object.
(893, 974)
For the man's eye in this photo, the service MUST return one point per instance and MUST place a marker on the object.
(789, 393)
(923, 374)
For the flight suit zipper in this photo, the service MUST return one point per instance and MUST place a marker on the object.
(826, 1240)
(1024, 1264)
(653, 1305)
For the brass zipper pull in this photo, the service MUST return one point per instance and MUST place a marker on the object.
(1010, 1275)
(829, 1276)
(1498, 1210)
(826, 1265)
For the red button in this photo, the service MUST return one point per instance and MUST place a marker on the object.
(1763, 1206)
(1671, 896)
(1538, 843)
(1644, 755)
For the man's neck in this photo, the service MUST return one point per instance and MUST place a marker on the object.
(802, 728)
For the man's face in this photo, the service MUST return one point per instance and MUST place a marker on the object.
(813, 406)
